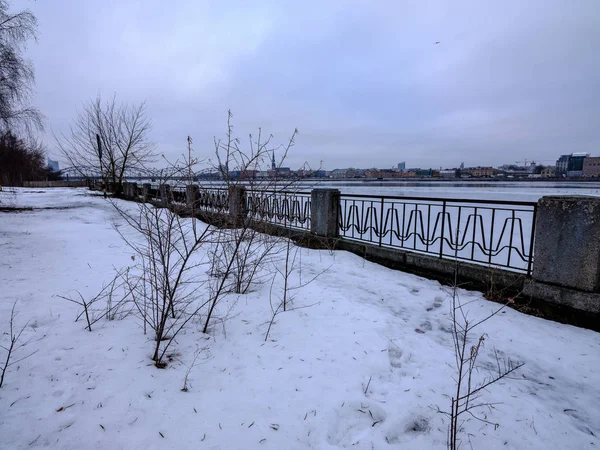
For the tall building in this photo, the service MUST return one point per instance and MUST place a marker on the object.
(571, 166)
(462, 166)
(575, 167)
(562, 165)
(576, 161)
(402, 166)
(53, 165)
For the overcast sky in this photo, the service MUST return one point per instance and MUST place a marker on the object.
(363, 81)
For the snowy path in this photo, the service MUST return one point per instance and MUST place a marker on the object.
(304, 388)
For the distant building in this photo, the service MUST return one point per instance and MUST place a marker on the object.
(53, 165)
(319, 173)
(562, 165)
(388, 173)
(372, 173)
(280, 172)
(448, 173)
(571, 166)
(575, 167)
(338, 173)
(249, 174)
(480, 172)
(424, 173)
(402, 166)
(355, 173)
(591, 166)
(548, 172)
(462, 166)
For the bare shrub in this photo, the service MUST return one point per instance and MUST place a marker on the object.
(241, 252)
(164, 282)
(108, 303)
(288, 264)
(466, 401)
(201, 355)
(14, 345)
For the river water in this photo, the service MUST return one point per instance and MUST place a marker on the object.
(527, 191)
(474, 190)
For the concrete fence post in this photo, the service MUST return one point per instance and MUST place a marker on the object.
(566, 268)
(165, 193)
(133, 191)
(146, 188)
(192, 196)
(237, 205)
(324, 212)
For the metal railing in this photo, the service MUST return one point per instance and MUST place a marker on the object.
(214, 200)
(488, 232)
(209, 199)
(289, 209)
(494, 233)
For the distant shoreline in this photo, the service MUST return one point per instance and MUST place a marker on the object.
(455, 180)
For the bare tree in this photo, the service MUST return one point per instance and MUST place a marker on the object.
(16, 72)
(109, 139)
(22, 160)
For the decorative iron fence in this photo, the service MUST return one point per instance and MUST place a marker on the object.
(209, 199)
(485, 232)
(289, 209)
(214, 200)
(495, 233)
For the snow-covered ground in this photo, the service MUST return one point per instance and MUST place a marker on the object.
(365, 367)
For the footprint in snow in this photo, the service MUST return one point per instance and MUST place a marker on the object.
(395, 355)
(436, 304)
(426, 326)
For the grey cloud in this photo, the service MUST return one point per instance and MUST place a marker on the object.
(363, 81)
